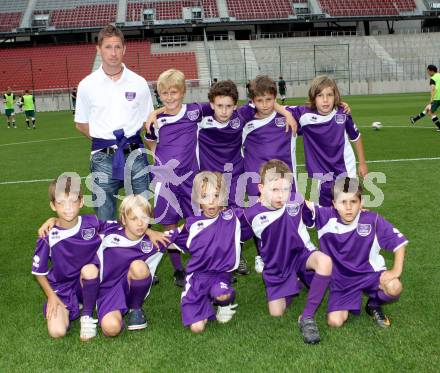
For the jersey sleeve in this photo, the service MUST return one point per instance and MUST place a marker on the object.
(181, 238)
(246, 112)
(431, 82)
(152, 136)
(206, 109)
(388, 237)
(351, 129)
(246, 232)
(40, 264)
(105, 225)
(309, 215)
(82, 108)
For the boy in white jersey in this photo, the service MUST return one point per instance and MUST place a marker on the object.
(353, 239)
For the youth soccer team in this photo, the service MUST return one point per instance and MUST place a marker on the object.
(226, 154)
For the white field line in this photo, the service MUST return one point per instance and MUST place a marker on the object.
(299, 165)
(35, 141)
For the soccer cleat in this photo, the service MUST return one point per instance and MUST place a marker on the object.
(225, 313)
(88, 328)
(377, 314)
(437, 130)
(155, 280)
(259, 264)
(234, 280)
(179, 278)
(412, 120)
(309, 330)
(242, 266)
(136, 319)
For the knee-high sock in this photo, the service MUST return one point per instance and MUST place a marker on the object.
(176, 259)
(381, 298)
(316, 293)
(90, 290)
(138, 291)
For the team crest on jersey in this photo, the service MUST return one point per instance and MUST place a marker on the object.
(280, 122)
(235, 123)
(146, 247)
(364, 229)
(340, 118)
(293, 208)
(130, 96)
(193, 114)
(87, 233)
(227, 214)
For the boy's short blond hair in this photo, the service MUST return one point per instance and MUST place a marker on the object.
(347, 185)
(171, 78)
(208, 178)
(67, 183)
(129, 203)
(274, 170)
(317, 86)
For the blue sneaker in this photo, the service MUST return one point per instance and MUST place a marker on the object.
(136, 319)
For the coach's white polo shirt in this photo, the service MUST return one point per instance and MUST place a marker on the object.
(108, 105)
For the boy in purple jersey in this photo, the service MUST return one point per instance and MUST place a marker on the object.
(128, 261)
(213, 241)
(353, 239)
(286, 248)
(174, 144)
(327, 131)
(71, 247)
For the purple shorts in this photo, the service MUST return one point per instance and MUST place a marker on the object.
(199, 293)
(286, 287)
(71, 295)
(172, 203)
(325, 193)
(347, 295)
(113, 299)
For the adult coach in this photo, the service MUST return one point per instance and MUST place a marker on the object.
(434, 103)
(111, 107)
(9, 101)
(282, 89)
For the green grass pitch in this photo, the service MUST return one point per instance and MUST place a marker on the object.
(252, 341)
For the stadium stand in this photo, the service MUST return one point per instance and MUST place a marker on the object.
(366, 8)
(79, 13)
(263, 9)
(170, 10)
(11, 13)
(45, 67)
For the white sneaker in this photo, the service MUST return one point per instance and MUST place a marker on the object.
(225, 313)
(88, 328)
(259, 264)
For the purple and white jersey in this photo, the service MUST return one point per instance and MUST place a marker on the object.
(213, 243)
(327, 139)
(220, 143)
(176, 137)
(68, 250)
(117, 252)
(266, 139)
(354, 248)
(282, 233)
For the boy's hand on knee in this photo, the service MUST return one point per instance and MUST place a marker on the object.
(52, 306)
(388, 276)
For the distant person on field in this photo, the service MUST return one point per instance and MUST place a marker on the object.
(434, 102)
(73, 97)
(8, 101)
(282, 89)
(112, 105)
(28, 103)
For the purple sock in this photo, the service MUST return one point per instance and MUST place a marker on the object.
(138, 291)
(176, 260)
(381, 298)
(317, 290)
(90, 290)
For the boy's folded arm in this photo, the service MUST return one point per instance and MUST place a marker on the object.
(290, 120)
(43, 231)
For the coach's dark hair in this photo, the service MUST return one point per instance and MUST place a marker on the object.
(347, 185)
(223, 88)
(261, 85)
(108, 32)
(65, 183)
(317, 86)
(432, 68)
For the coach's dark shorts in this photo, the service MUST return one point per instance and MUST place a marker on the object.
(30, 113)
(9, 112)
(435, 105)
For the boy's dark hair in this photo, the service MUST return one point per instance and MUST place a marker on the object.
(65, 183)
(432, 68)
(223, 88)
(276, 168)
(108, 32)
(262, 85)
(347, 185)
(317, 85)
